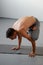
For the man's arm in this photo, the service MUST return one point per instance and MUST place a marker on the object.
(25, 35)
(19, 41)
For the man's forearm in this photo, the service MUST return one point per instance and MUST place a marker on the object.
(19, 41)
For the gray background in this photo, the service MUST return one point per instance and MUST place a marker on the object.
(19, 8)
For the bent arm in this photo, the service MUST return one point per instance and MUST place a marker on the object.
(25, 35)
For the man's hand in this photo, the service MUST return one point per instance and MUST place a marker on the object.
(15, 48)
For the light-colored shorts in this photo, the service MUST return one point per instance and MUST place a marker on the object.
(35, 33)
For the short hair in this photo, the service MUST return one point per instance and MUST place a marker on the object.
(9, 32)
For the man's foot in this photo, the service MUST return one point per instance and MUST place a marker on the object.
(15, 48)
(32, 54)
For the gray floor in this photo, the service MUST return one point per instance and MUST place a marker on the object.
(14, 59)
(24, 50)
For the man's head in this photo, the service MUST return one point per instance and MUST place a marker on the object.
(11, 33)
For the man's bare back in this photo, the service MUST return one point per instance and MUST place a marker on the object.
(24, 23)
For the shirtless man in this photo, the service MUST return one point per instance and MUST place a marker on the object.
(27, 27)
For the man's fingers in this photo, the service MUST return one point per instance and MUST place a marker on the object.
(15, 48)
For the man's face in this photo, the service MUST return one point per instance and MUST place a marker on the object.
(13, 36)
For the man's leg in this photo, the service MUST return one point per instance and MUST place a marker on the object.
(35, 35)
(33, 48)
(24, 34)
